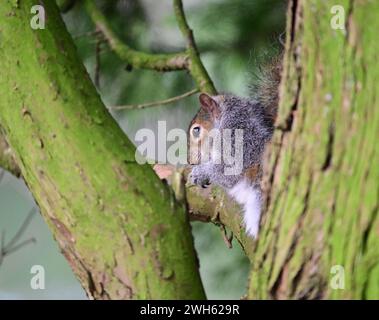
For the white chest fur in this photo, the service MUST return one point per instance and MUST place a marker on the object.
(249, 198)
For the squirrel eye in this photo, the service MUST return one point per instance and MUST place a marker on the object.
(196, 131)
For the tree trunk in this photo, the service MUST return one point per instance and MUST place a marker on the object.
(118, 225)
(322, 177)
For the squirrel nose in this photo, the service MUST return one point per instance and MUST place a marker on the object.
(189, 161)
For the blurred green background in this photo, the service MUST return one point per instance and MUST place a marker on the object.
(230, 35)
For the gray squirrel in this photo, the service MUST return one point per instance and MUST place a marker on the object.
(248, 121)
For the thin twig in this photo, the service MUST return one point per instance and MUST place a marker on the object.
(97, 63)
(156, 103)
(227, 240)
(87, 34)
(2, 173)
(196, 67)
(137, 59)
(20, 245)
(2, 241)
(187, 60)
(7, 159)
(21, 230)
(67, 5)
(11, 246)
(198, 217)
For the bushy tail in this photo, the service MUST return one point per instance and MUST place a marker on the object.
(264, 87)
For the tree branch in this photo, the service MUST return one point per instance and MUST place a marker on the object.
(11, 246)
(196, 67)
(208, 205)
(87, 34)
(7, 160)
(188, 60)
(97, 62)
(156, 103)
(125, 237)
(214, 205)
(137, 59)
(66, 5)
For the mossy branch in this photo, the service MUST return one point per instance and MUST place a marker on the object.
(136, 59)
(7, 160)
(208, 205)
(214, 205)
(196, 66)
(125, 237)
(187, 60)
(66, 5)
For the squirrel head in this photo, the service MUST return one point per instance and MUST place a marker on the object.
(198, 131)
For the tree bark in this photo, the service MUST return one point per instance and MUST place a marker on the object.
(7, 159)
(211, 205)
(322, 177)
(118, 225)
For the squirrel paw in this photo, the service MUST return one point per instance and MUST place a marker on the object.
(199, 178)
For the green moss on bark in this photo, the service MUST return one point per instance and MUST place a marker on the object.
(324, 196)
(121, 229)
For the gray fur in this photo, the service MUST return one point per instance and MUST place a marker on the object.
(255, 116)
(237, 113)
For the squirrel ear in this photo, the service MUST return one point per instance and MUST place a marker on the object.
(209, 105)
